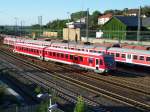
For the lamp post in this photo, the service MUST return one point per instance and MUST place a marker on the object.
(139, 25)
(45, 97)
(87, 24)
(68, 28)
(15, 26)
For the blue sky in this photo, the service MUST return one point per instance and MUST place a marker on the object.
(29, 10)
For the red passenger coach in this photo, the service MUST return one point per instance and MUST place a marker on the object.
(132, 56)
(95, 61)
(30, 50)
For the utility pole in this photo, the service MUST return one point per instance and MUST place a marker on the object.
(87, 24)
(21, 28)
(40, 23)
(139, 25)
(68, 28)
(16, 20)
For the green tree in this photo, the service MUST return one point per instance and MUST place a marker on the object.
(57, 24)
(114, 12)
(146, 11)
(93, 20)
(77, 15)
(80, 106)
(37, 90)
(2, 91)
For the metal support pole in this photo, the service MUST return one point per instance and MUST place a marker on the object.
(87, 25)
(68, 29)
(139, 25)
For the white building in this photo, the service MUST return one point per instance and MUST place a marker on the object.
(104, 18)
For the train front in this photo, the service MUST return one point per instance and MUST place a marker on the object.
(110, 64)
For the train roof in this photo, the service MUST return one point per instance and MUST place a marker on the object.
(64, 50)
(29, 45)
(134, 51)
(76, 51)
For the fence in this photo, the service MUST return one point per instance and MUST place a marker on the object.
(111, 35)
(32, 108)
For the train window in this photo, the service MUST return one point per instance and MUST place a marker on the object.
(101, 62)
(147, 58)
(135, 57)
(91, 60)
(99, 51)
(54, 54)
(57, 54)
(82, 49)
(62, 55)
(81, 58)
(76, 58)
(112, 54)
(66, 56)
(50, 53)
(141, 57)
(71, 57)
(129, 56)
(123, 55)
(96, 61)
(117, 55)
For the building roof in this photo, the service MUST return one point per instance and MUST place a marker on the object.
(106, 16)
(128, 20)
(146, 22)
(131, 11)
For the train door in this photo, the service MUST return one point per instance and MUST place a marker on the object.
(128, 58)
(97, 64)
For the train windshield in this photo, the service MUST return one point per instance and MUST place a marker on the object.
(109, 60)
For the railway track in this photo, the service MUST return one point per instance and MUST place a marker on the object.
(70, 95)
(102, 92)
(113, 80)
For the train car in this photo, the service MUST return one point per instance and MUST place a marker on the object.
(132, 56)
(30, 50)
(122, 55)
(100, 63)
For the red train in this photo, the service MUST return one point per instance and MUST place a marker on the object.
(123, 55)
(100, 63)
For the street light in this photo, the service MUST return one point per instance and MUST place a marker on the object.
(68, 28)
(15, 26)
(45, 97)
